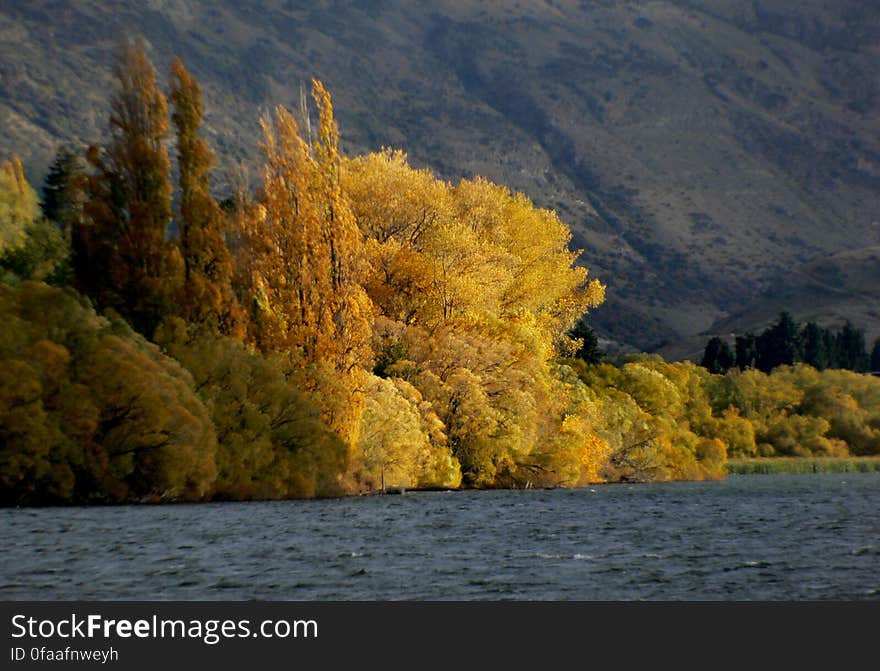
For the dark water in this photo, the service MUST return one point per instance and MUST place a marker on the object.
(802, 537)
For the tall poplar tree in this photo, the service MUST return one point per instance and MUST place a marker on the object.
(306, 248)
(207, 296)
(122, 257)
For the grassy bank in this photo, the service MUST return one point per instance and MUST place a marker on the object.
(775, 465)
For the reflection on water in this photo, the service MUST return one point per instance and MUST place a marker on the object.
(802, 537)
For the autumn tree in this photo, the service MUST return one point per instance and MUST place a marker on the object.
(34, 248)
(91, 412)
(18, 204)
(122, 257)
(403, 442)
(305, 248)
(442, 254)
(207, 297)
(271, 440)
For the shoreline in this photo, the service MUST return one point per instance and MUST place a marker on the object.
(801, 465)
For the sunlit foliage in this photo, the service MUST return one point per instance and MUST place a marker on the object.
(352, 325)
(18, 204)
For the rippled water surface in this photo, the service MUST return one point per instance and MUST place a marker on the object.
(748, 537)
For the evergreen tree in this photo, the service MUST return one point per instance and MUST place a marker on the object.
(779, 345)
(816, 351)
(62, 191)
(830, 343)
(746, 351)
(875, 356)
(121, 255)
(851, 349)
(717, 358)
(589, 351)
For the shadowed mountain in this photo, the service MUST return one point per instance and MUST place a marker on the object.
(699, 150)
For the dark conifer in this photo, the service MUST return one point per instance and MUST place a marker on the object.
(851, 349)
(717, 357)
(746, 351)
(875, 356)
(589, 351)
(815, 341)
(779, 345)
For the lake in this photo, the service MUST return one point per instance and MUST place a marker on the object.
(749, 537)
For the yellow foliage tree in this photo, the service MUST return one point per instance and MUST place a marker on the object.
(305, 248)
(19, 205)
(207, 297)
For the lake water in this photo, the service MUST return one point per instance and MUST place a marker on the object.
(750, 537)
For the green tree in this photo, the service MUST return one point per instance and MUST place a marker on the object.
(44, 255)
(91, 412)
(851, 353)
(746, 351)
(63, 191)
(779, 345)
(875, 356)
(717, 357)
(815, 346)
(588, 350)
(271, 440)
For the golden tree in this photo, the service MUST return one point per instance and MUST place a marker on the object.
(18, 204)
(305, 248)
(208, 299)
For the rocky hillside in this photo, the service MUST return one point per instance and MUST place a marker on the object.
(699, 149)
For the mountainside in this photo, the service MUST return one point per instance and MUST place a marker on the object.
(700, 150)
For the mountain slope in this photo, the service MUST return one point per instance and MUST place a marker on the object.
(698, 149)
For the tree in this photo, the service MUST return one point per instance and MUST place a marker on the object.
(44, 255)
(588, 350)
(38, 249)
(91, 412)
(306, 250)
(63, 191)
(815, 346)
(875, 356)
(122, 258)
(18, 204)
(746, 351)
(850, 346)
(442, 254)
(779, 345)
(207, 299)
(717, 357)
(272, 442)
